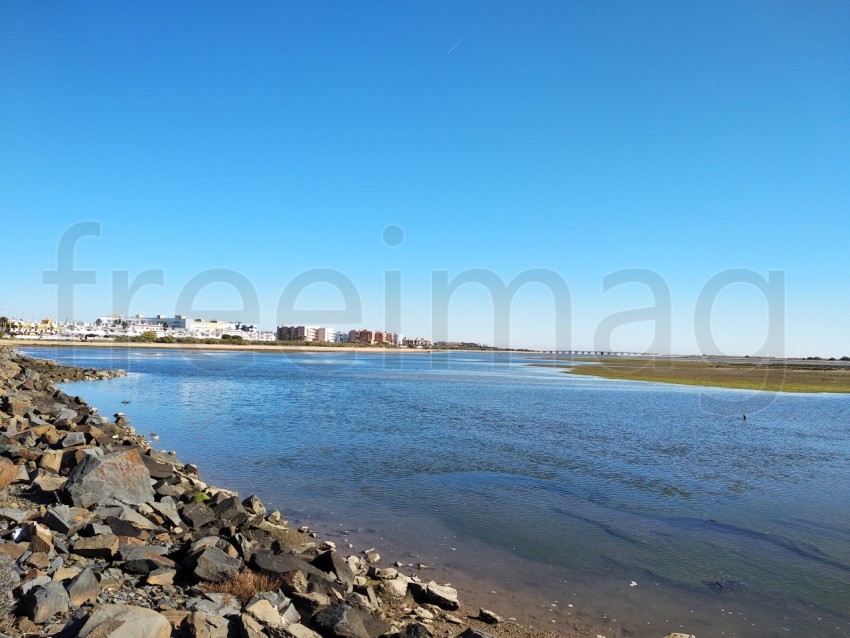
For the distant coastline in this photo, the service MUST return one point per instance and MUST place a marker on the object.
(208, 346)
(741, 374)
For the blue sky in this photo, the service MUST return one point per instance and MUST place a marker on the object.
(583, 139)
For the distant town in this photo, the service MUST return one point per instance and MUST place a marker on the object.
(178, 328)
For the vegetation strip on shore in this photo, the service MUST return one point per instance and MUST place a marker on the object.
(771, 376)
(100, 534)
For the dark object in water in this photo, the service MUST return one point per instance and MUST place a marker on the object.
(125, 402)
(725, 586)
(745, 417)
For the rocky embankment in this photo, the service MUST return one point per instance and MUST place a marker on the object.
(101, 536)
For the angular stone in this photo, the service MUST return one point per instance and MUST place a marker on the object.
(125, 621)
(203, 625)
(414, 630)
(342, 621)
(51, 461)
(254, 507)
(125, 528)
(14, 550)
(251, 628)
(157, 469)
(65, 573)
(73, 438)
(43, 602)
(198, 515)
(100, 546)
(67, 520)
(143, 559)
(120, 475)
(39, 560)
(39, 536)
(113, 509)
(83, 588)
(213, 565)
(15, 515)
(263, 611)
(469, 632)
(283, 564)
(396, 588)
(8, 473)
(333, 563)
(440, 595)
(167, 508)
(66, 415)
(296, 631)
(49, 483)
(161, 576)
(231, 509)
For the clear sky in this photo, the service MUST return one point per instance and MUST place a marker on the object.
(270, 139)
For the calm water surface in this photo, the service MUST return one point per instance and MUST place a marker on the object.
(553, 492)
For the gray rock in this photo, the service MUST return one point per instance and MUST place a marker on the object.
(202, 625)
(254, 507)
(212, 564)
(120, 475)
(231, 510)
(333, 563)
(115, 509)
(167, 508)
(143, 559)
(84, 587)
(34, 583)
(198, 515)
(100, 546)
(342, 621)
(125, 621)
(43, 602)
(66, 415)
(440, 595)
(73, 438)
(413, 630)
(490, 617)
(223, 605)
(67, 520)
(284, 564)
(469, 632)
(15, 515)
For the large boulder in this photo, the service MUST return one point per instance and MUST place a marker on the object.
(212, 564)
(120, 475)
(125, 621)
(332, 563)
(84, 587)
(342, 621)
(43, 602)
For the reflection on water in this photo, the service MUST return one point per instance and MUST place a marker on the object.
(576, 483)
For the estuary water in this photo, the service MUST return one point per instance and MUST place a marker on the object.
(642, 508)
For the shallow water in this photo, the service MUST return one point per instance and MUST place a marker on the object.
(548, 489)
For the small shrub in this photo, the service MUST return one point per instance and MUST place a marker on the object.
(245, 585)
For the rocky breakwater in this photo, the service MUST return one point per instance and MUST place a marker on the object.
(101, 535)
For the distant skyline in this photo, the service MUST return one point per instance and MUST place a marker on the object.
(682, 150)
